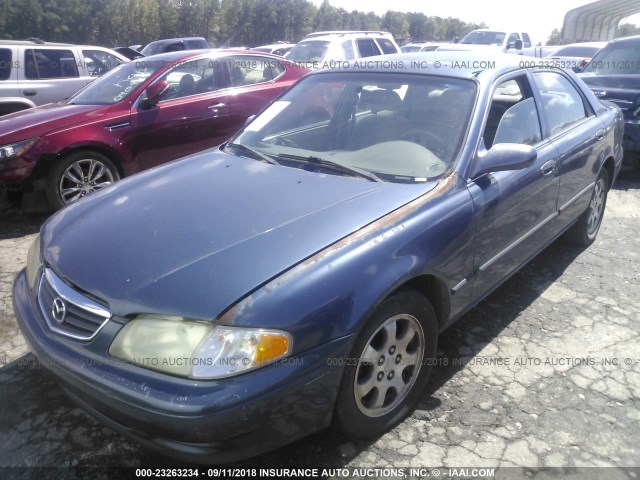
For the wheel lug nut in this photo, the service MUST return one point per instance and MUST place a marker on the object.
(381, 360)
(380, 376)
(392, 350)
(390, 376)
(398, 359)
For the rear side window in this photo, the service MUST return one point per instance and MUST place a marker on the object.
(5, 63)
(526, 40)
(562, 103)
(367, 47)
(386, 45)
(45, 63)
(249, 70)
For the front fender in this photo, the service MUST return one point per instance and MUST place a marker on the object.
(332, 293)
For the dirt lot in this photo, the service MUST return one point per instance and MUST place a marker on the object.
(545, 372)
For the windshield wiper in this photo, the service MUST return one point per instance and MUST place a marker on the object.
(254, 153)
(353, 171)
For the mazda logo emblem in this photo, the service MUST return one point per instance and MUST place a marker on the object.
(58, 310)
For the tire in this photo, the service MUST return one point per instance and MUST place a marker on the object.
(388, 367)
(585, 230)
(77, 175)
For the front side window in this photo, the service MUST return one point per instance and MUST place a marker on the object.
(513, 116)
(191, 78)
(6, 63)
(400, 128)
(118, 83)
(43, 63)
(562, 104)
(347, 48)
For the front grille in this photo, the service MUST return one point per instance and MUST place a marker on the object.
(67, 311)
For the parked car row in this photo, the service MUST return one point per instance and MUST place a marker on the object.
(299, 275)
(144, 113)
(33, 72)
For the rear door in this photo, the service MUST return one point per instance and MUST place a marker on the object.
(50, 74)
(578, 135)
(254, 84)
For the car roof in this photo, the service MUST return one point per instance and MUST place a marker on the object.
(39, 44)
(583, 44)
(633, 39)
(342, 33)
(451, 64)
(170, 40)
(181, 55)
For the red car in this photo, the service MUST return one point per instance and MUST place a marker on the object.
(139, 115)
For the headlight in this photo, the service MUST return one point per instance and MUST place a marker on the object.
(198, 350)
(33, 261)
(17, 149)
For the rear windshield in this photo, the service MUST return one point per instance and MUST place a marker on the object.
(308, 51)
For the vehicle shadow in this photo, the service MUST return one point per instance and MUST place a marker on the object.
(40, 422)
(627, 180)
(16, 224)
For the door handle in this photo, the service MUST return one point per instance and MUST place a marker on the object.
(29, 93)
(217, 107)
(600, 134)
(548, 167)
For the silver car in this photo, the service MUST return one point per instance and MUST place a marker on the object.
(33, 72)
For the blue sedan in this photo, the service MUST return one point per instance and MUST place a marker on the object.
(236, 300)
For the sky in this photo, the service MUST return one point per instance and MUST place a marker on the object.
(536, 17)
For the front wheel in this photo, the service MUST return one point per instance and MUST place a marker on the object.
(78, 175)
(584, 231)
(389, 366)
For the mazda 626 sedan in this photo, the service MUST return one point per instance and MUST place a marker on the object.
(222, 305)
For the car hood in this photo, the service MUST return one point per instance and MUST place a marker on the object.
(35, 122)
(193, 237)
(623, 90)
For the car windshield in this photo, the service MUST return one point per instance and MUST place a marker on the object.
(483, 38)
(118, 83)
(383, 126)
(616, 59)
(308, 51)
(578, 51)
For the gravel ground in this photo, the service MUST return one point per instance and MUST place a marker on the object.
(543, 373)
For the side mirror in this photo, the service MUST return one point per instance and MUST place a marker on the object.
(154, 92)
(518, 44)
(503, 157)
(249, 120)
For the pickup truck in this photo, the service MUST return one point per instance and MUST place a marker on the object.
(518, 43)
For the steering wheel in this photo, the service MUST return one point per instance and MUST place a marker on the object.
(427, 140)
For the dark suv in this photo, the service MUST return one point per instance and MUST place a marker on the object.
(175, 45)
(614, 74)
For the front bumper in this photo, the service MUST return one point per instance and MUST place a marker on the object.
(197, 421)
